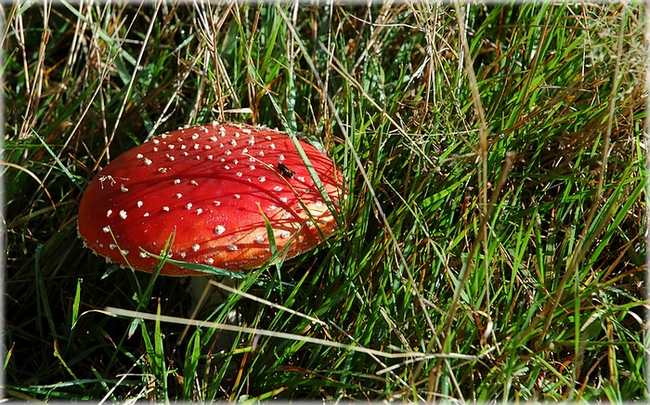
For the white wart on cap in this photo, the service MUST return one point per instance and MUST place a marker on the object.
(208, 184)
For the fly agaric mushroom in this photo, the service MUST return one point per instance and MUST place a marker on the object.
(211, 187)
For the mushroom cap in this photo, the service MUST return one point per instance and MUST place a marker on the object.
(208, 186)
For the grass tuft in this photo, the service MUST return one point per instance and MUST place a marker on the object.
(494, 158)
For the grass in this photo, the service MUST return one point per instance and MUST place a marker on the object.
(494, 158)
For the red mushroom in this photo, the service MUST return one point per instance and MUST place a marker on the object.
(211, 187)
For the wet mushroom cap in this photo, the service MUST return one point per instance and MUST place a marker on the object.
(209, 186)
